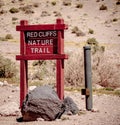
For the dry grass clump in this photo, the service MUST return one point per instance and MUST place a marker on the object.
(57, 14)
(118, 2)
(27, 9)
(8, 36)
(1, 3)
(103, 7)
(36, 5)
(14, 10)
(91, 31)
(77, 31)
(53, 3)
(3, 11)
(7, 68)
(67, 2)
(79, 5)
(44, 13)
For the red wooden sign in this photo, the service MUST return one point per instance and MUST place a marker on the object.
(41, 42)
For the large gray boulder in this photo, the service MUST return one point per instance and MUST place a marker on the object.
(42, 102)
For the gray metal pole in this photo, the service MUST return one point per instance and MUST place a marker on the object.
(88, 77)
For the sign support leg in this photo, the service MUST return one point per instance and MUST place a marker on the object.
(60, 79)
(23, 80)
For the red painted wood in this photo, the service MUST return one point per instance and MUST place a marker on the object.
(60, 78)
(42, 57)
(56, 52)
(60, 63)
(23, 67)
(42, 27)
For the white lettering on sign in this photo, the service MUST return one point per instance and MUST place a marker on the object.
(41, 34)
(41, 42)
(39, 50)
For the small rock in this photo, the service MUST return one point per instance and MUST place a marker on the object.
(31, 88)
(5, 83)
(69, 113)
(9, 97)
(40, 119)
(94, 110)
(70, 106)
(1, 83)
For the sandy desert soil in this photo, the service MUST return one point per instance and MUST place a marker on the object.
(106, 109)
(106, 27)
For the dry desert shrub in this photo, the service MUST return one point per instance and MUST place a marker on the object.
(79, 5)
(105, 69)
(74, 67)
(77, 31)
(14, 10)
(1, 3)
(27, 9)
(7, 68)
(118, 2)
(103, 7)
(67, 2)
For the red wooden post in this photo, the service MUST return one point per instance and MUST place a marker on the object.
(23, 66)
(60, 63)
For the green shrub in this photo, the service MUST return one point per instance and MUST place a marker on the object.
(95, 45)
(14, 10)
(7, 68)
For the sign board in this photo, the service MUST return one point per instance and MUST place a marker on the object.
(41, 42)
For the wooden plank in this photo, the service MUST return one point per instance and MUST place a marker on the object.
(42, 27)
(42, 57)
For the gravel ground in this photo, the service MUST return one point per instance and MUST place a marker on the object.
(106, 109)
